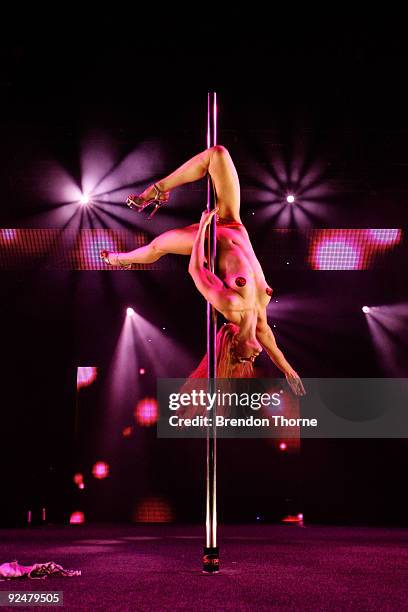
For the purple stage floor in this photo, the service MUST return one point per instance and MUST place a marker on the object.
(264, 567)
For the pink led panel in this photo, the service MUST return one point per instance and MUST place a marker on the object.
(350, 249)
(319, 249)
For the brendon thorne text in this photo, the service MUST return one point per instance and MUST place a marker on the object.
(250, 421)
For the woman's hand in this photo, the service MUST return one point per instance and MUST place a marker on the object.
(206, 217)
(294, 382)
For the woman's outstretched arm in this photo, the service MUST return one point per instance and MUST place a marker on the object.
(208, 284)
(265, 336)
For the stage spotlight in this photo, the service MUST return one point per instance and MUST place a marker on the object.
(146, 411)
(290, 198)
(86, 375)
(77, 518)
(283, 446)
(84, 199)
(100, 470)
(78, 478)
(387, 324)
(294, 519)
(142, 371)
(130, 312)
(366, 309)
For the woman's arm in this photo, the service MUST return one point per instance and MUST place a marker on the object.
(265, 336)
(208, 284)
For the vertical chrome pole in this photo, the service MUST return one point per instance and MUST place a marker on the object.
(211, 552)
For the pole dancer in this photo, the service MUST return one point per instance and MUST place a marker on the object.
(238, 290)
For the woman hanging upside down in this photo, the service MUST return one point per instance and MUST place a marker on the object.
(239, 291)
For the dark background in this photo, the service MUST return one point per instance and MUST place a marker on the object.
(325, 98)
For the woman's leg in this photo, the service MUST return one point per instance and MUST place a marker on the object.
(218, 163)
(175, 242)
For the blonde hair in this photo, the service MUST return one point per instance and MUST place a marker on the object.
(227, 364)
(228, 367)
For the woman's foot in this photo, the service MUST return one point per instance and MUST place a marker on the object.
(115, 259)
(155, 192)
(151, 195)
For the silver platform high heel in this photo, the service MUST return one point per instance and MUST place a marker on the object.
(138, 203)
(112, 259)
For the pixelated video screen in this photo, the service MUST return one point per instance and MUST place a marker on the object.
(317, 249)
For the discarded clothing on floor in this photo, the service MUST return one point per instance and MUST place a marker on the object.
(36, 571)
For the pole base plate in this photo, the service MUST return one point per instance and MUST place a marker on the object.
(211, 561)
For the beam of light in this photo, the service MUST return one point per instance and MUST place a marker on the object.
(306, 214)
(103, 173)
(139, 167)
(58, 191)
(130, 312)
(122, 377)
(86, 375)
(366, 309)
(153, 510)
(118, 217)
(161, 353)
(61, 216)
(98, 155)
(275, 171)
(100, 470)
(388, 325)
(297, 317)
(54, 184)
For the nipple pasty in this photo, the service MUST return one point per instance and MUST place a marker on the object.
(240, 281)
(269, 291)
